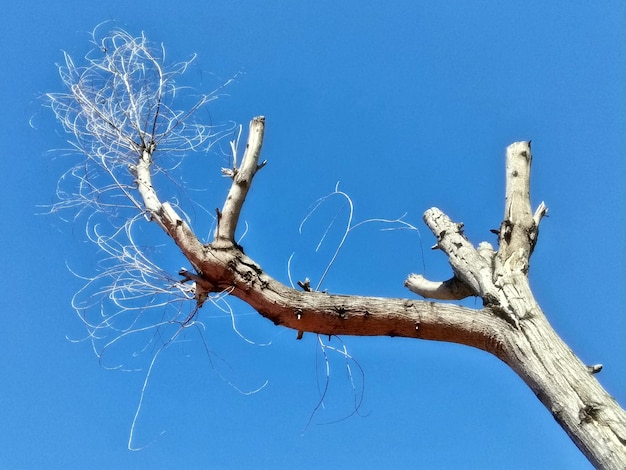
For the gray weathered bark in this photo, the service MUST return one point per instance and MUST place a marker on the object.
(511, 325)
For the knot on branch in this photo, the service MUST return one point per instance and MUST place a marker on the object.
(306, 285)
(201, 288)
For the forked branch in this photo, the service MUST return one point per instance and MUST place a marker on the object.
(511, 325)
(118, 112)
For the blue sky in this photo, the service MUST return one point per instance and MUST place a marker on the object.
(410, 105)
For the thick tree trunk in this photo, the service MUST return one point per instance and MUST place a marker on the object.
(510, 325)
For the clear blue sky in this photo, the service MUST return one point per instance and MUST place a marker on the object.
(409, 106)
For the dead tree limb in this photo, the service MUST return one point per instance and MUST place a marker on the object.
(511, 325)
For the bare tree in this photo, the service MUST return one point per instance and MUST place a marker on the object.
(119, 110)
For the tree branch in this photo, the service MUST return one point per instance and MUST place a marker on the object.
(511, 325)
(326, 314)
(467, 263)
(242, 178)
(452, 289)
(143, 179)
(164, 214)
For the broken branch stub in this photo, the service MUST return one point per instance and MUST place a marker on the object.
(520, 227)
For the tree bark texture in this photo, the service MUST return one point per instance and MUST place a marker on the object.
(511, 325)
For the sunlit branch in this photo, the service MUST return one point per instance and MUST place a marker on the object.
(242, 178)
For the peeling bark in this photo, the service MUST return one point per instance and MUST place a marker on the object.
(511, 325)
